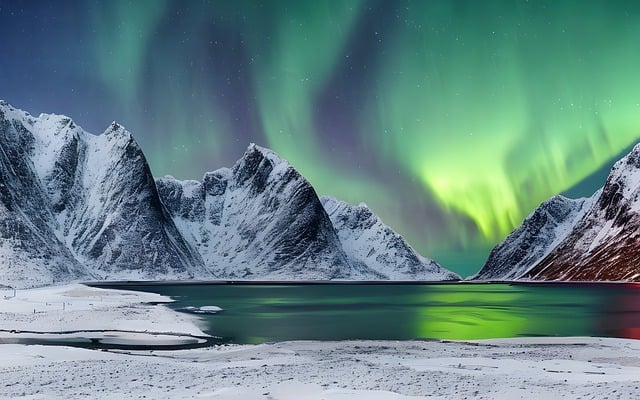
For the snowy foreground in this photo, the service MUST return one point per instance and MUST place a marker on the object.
(534, 368)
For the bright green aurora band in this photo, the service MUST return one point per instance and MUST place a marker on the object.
(475, 111)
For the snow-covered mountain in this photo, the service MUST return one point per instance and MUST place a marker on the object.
(540, 233)
(262, 220)
(78, 206)
(586, 239)
(30, 249)
(258, 220)
(368, 241)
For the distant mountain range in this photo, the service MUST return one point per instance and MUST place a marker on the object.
(588, 239)
(75, 206)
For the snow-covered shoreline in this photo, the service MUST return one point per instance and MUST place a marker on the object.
(520, 368)
(75, 312)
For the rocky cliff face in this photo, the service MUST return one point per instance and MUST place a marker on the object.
(599, 240)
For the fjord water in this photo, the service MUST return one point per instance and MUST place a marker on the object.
(257, 313)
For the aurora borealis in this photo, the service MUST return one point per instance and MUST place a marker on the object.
(451, 119)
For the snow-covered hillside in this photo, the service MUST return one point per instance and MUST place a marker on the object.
(587, 239)
(77, 206)
(368, 241)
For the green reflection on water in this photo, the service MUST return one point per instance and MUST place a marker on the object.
(490, 311)
(258, 313)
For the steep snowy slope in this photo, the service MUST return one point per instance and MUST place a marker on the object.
(367, 240)
(84, 205)
(31, 253)
(259, 220)
(587, 239)
(109, 212)
(605, 243)
(539, 234)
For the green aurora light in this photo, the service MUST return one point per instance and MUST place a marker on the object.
(451, 119)
(495, 107)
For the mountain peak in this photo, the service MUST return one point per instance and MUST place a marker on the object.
(7, 111)
(633, 158)
(5, 105)
(269, 154)
(260, 165)
(116, 128)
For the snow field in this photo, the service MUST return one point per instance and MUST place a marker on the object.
(520, 368)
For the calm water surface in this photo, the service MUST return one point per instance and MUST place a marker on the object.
(268, 312)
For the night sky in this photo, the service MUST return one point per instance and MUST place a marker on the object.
(452, 120)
